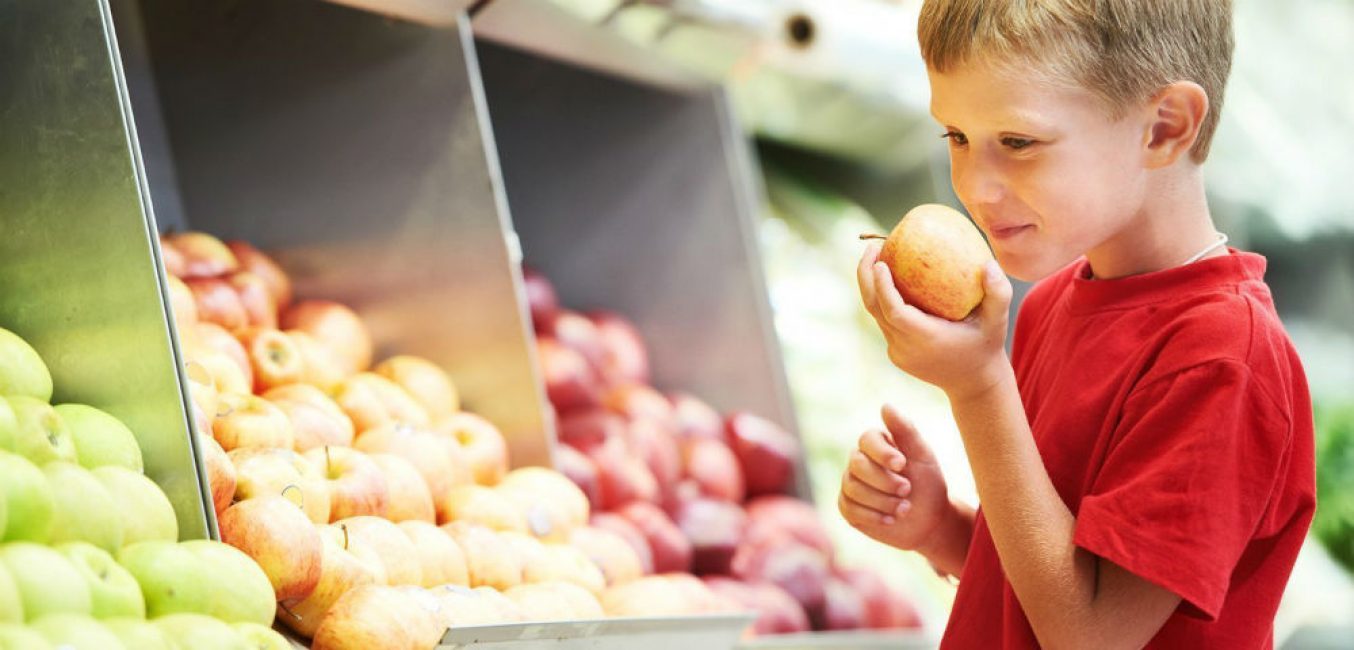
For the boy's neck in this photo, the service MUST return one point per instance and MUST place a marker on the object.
(1172, 225)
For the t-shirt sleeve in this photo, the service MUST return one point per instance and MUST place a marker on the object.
(1190, 473)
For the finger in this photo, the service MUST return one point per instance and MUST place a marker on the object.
(878, 447)
(861, 467)
(858, 515)
(865, 278)
(881, 502)
(996, 303)
(892, 308)
(908, 440)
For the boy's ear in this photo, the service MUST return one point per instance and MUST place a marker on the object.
(1176, 113)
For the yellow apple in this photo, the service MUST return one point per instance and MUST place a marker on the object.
(936, 257)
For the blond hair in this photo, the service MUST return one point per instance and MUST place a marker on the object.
(1122, 50)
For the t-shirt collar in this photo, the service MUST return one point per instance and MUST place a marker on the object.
(1213, 273)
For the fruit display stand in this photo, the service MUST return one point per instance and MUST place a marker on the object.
(669, 633)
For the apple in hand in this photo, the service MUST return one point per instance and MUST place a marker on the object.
(145, 510)
(200, 632)
(40, 435)
(244, 420)
(100, 439)
(274, 358)
(112, 589)
(83, 508)
(260, 264)
(624, 359)
(441, 560)
(316, 419)
(336, 327)
(439, 464)
(712, 466)
(239, 591)
(200, 255)
(356, 483)
(22, 371)
(28, 499)
(398, 555)
(341, 572)
(408, 495)
(261, 471)
(218, 303)
(280, 538)
(425, 381)
(481, 445)
(47, 581)
(221, 477)
(768, 454)
(255, 298)
(671, 549)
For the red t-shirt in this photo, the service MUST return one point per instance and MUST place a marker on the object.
(1172, 415)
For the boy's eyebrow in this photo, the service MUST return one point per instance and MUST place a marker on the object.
(1011, 120)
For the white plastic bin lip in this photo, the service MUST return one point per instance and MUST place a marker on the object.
(845, 640)
(712, 632)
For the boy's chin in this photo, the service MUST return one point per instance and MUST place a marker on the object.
(1029, 270)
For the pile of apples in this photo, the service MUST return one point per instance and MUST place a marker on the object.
(89, 551)
(691, 491)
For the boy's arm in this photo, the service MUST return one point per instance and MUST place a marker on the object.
(948, 547)
(1072, 598)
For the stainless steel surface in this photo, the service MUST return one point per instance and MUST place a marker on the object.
(643, 201)
(351, 148)
(78, 274)
(852, 640)
(716, 632)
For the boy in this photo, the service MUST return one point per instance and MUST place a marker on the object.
(1144, 458)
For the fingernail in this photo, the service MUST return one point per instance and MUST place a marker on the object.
(904, 506)
(888, 520)
(896, 465)
(904, 489)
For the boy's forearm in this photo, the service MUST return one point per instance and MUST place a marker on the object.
(947, 548)
(1030, 525)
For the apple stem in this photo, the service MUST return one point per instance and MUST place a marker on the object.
(869, 235)
(344, 528)
(301, 495)
(328, 464)
(288, 611)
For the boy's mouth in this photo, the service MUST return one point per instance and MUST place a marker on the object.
(1007, 232)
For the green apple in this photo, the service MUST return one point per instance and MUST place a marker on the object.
(172, 578)
(262, 637)
(138, 634)
(4, 516)
(146, 512)
(48, 583)
(200, 632)
(18, 637)
(42, 436)
(112, 590)
(28, 499)
(84, 512)
(22, 371)
(11, 603)
(76, 632)
(100, 438)
(240, 590)
(9, 425)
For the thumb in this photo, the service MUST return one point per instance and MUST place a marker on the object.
(997, 294)
(905, 436)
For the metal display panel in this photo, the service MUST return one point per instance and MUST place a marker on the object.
(641, 199)
(352, 148)
(712, 632)
(846, 640)
(79, 274)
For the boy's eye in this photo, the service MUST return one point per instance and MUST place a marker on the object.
(1017, 143)
(955, 137)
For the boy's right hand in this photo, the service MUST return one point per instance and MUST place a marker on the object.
(893, 490)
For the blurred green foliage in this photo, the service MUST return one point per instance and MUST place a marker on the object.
(1334, 524)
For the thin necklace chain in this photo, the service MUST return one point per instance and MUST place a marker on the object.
(1221, 241)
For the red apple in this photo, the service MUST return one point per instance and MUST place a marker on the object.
(798, 569)
(255, 298)
(574, 331)
(218, 302)
(610, 552)
(712, 466)
(220, 472)
(316, 419)
(581, 470)
(843, 607)
(622, 478)
(570, 382)
(422, 379)
(409, 498)
(336, 327)
(541, 297)
(481, 445)
(694, 418)
(371, 400)
(671, 549)
(885, 607)
(777, 612)
(588, 427)
(715, 529)
(625, 359)
(266, 471)
(774, 516)
(250, 421)
(203, 255)
(277, 534)
(639, 401)
(274, 358)
(653, 443)
(769, 454)
(399, 557)
(341, 571)
(628, 532)
(255, 261)
(356, 484)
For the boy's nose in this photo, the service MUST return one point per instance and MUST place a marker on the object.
(977, 184)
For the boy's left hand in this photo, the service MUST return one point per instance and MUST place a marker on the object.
(958, 357)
